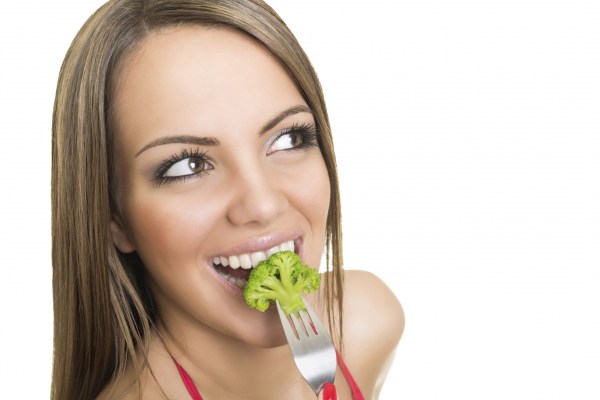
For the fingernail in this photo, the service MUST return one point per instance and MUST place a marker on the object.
(329, 392)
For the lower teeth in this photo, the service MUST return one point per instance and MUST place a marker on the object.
(239, 282)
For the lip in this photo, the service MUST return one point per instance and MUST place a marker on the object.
(262, 243)
(258, 243)
(230, 288)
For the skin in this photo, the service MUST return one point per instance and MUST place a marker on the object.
(222, 85)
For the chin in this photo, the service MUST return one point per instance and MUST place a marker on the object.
(263, 330)
(268, 342)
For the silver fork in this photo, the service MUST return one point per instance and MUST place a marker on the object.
(311, 346)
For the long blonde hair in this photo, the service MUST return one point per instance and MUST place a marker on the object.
(103, 310)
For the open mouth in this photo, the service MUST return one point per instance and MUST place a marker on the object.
(236, 269)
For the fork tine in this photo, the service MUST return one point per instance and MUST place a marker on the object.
(290, 331)
(311, 346)
(308, 323)
(317, 326)
(298, 324)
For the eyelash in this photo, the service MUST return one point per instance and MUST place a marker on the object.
(159, 176)
(308, 134)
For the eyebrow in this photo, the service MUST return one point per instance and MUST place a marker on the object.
(188, 139)
(211, 141)
(283, 115)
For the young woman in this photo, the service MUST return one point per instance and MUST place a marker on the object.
(190, 140)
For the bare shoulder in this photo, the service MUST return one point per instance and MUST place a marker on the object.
(127, 388)
(371, 308)
(157, 380)
(373, 325)
(130, 388)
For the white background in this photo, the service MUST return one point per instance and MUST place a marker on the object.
(468, 140)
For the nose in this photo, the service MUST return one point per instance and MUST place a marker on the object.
(258, 197)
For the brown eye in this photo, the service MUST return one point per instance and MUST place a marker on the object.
(196, 164)
(296, 139)
(191, 165)
(288, 141)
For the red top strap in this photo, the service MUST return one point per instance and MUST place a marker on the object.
(354, 389)
(188, 382)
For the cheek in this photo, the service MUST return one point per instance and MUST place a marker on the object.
(309, 187)
(317, 199)
(312, 194)
(169, 231)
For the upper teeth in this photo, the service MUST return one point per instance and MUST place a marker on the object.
(251, 260)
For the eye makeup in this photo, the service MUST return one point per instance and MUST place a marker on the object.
(198, 163)
(301, 136)
(175, 169)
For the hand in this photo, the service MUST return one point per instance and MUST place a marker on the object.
(328, 392)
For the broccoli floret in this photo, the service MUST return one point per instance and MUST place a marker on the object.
(282, 277)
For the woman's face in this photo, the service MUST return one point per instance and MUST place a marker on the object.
(218, 164)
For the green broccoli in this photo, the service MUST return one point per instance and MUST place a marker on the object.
(282, 277)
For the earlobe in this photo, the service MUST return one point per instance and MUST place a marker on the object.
(120, 236)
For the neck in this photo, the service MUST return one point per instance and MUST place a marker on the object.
(225, 367)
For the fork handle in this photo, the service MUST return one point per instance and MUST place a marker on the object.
(329, 392)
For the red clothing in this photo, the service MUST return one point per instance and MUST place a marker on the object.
(195, 394)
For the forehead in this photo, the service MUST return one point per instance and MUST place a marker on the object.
(190, 78)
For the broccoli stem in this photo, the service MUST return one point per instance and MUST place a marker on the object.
(289, 299)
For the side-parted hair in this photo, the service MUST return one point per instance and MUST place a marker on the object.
(103, 309)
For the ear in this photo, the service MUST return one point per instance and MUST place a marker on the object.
(120, 236)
